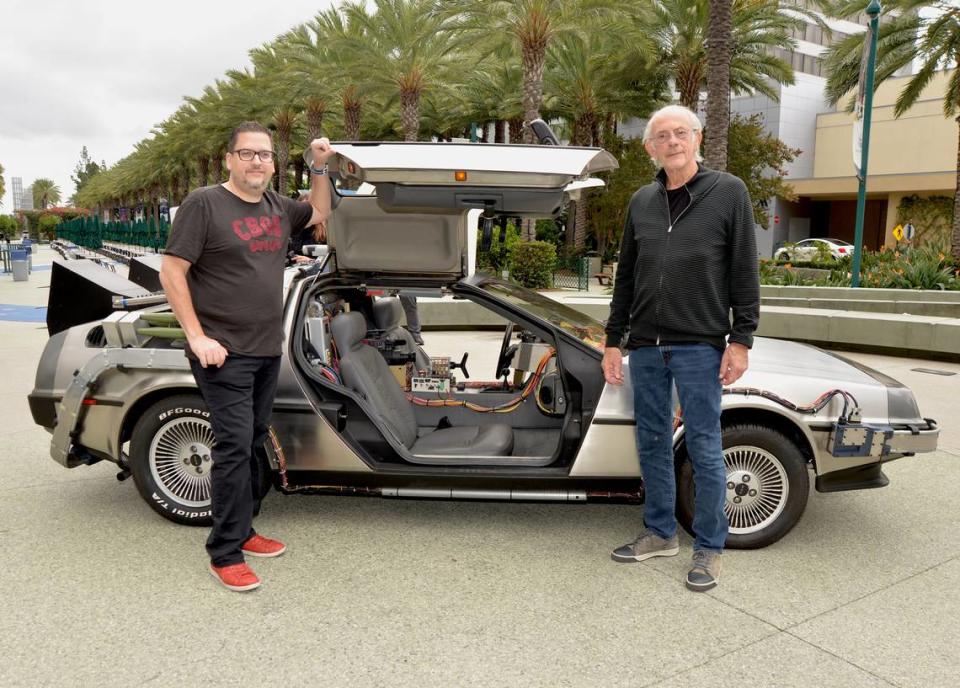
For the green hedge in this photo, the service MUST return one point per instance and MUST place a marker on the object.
(532, 264)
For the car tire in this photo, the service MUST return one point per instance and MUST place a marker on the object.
(170, 459)
(754, 456)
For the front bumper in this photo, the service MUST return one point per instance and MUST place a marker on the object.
(914, 439)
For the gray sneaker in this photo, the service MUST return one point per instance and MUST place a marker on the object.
(704, 574)
(645, 546)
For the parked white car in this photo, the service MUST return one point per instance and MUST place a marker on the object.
(809, 249)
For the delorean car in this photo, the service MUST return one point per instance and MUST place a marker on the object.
(362, 410)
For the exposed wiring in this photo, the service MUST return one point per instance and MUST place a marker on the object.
(506, 407)
(815, 407)
(330, 374)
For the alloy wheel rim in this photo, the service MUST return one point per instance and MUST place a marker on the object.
(180, 461)
(757, 489)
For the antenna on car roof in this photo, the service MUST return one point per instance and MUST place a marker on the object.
(544, 133)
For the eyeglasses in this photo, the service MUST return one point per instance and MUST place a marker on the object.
(247, 155)
(662, 137)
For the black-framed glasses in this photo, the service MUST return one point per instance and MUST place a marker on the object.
(247, 154)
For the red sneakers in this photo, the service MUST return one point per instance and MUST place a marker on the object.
(239, 577)
(259, 546)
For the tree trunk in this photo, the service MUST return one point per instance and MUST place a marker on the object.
(609, 130)
(216, 164)
(718, 84)
(351, 113)
(186, 181)
(410, 114)
(283, 161)
(299, 166)
(500, 131)
(203, 170)
(534, 59)
(955, 234)
(583, 135)
(516, 129)
(283, 120)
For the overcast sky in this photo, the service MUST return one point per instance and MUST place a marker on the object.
(102, 73)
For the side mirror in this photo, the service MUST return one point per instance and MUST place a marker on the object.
(544, 133)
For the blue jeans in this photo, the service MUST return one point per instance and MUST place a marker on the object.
(695, 368)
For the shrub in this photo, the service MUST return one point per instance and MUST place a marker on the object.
(9, 225)
(47, 227)
(532, 264)
(549, 230)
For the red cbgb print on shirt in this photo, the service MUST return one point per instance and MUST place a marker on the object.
(259, 232)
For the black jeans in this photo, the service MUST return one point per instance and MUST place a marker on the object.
(239, 395)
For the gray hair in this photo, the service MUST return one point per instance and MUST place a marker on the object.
(673, 111)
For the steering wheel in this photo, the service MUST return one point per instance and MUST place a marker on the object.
(506, 353)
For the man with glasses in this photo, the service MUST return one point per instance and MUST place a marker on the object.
(223, 276)
(688, 260)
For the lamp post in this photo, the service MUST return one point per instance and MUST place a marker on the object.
(866, 86)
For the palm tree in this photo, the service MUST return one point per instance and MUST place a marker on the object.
(532, 24)
(905, 35)
(45, 193)
(3, 186)
(331, 58)
(585, 83)
(406, 49)
(680, 28)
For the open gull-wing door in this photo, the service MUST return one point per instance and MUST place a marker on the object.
(416, 223)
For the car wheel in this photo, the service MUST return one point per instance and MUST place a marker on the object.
(170, 459)
(766, 491)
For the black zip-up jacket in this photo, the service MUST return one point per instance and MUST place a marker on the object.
(678, 282)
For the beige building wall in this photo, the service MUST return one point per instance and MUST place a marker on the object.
(915, 154)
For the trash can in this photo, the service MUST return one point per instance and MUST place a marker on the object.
(20, 265)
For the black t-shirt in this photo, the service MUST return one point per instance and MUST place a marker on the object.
(678, 199)
(237, 250)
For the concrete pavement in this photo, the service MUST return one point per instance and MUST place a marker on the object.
(99, 590)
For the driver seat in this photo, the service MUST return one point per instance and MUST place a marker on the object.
(363, 370)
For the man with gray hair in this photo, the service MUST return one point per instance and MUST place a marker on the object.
(688, 260)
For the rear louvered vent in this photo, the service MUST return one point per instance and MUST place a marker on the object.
(96, 339)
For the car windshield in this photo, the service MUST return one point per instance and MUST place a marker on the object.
(568, 319)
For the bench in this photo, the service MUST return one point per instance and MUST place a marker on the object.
(605, 276)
